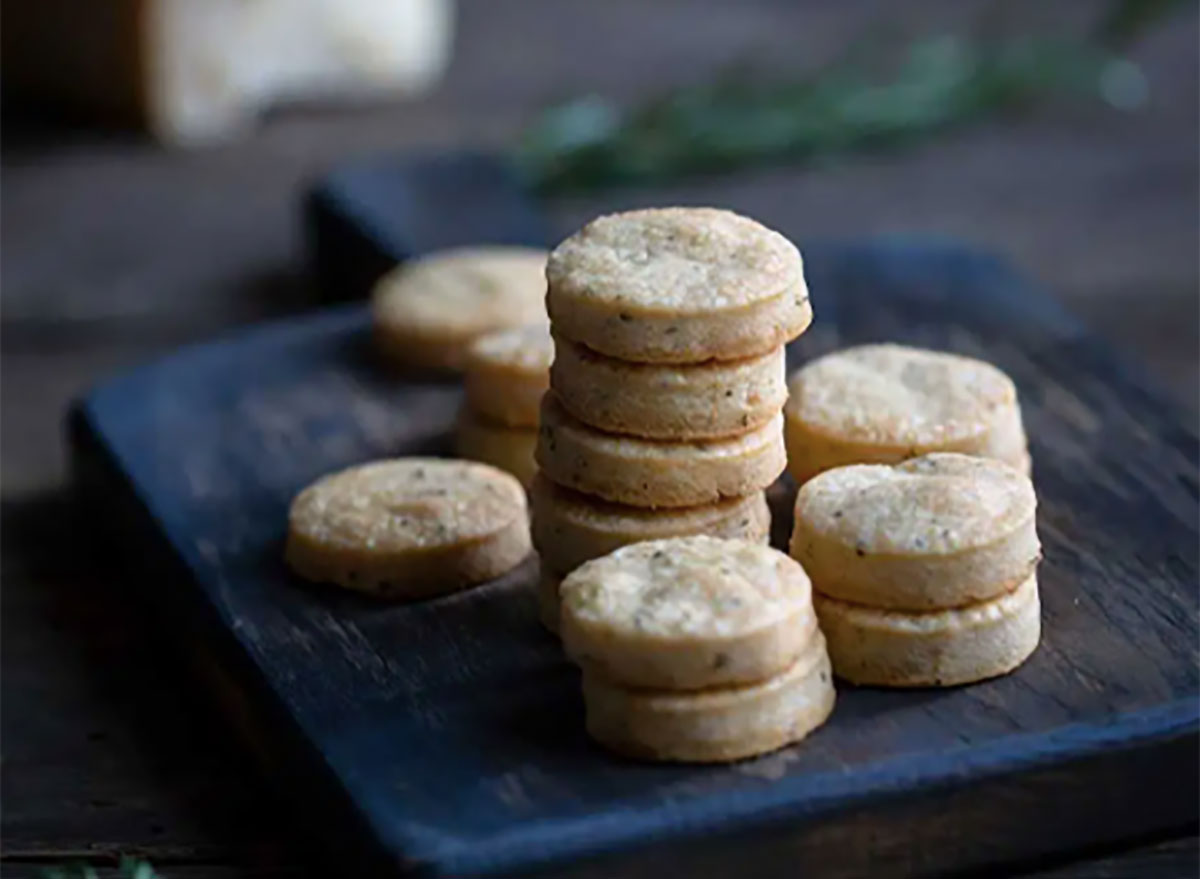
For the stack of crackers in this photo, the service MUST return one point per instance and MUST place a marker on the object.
(664, 414)
(507, 373)
(925, 571)
(697, 649)
(480, 311)
(915, 516)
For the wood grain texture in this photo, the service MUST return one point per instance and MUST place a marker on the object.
(1173, 859)
(449, 731)
(108, 747)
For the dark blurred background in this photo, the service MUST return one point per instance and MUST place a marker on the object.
(117, 248)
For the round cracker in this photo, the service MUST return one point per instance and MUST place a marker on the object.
(509, 448)
(721, 725)
(1007, 442)
(677, 285)
(653, 473)
(687, 613)
(409, 527)
(507, 372)
(884, 403)
(888, 648)
(939, 531)
(570, 528)
(428, 311)
(719, 398)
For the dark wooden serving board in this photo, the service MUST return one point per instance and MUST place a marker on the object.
(445, 738)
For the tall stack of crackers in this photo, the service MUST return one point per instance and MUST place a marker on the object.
(663, 417)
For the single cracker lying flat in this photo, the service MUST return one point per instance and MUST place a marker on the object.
(507, 372)
(509, 448)
(408, 528)
(428, 311)
(884, 403)
(571, 528)
(687, 613)
(677, 285)
(939, 531)
(888, 648)
(719, 398)
(653, 473)
(710, 726)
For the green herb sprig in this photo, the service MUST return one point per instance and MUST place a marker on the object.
(737, 121)
(128, 868)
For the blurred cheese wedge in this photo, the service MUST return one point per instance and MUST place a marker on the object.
(199, 71)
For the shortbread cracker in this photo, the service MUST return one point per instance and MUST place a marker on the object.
(888, 648)
(709, 726)
(428, 311)
(571, 528)
(677, 285)
(409, 527)
(885, 403)
(939, 531)
(509, 448)
(507, 372)
(719, 398)
(651, 473)
(687, 613)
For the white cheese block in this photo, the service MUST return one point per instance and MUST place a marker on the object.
(198, 71)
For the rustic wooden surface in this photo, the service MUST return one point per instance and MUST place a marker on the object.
(469, 710)
(114, 252)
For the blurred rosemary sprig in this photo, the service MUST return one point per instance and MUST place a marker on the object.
(129, 868)
(737, 121)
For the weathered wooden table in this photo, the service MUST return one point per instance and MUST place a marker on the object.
(115, 251)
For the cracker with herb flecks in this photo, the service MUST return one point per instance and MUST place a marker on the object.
(657, 473)
(713, 726)
(677, 285)
(687, 613)
(570, 528)
(719, 398)
(944, 648)
(409, 527)
(880, 404)
(936, 532)
(427, 312)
